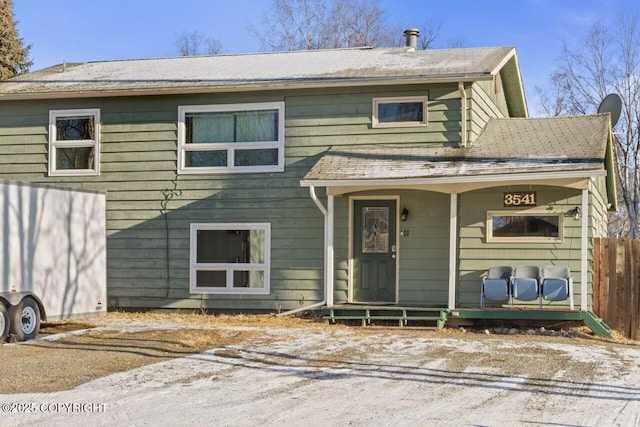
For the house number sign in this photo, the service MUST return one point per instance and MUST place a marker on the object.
(519, 198)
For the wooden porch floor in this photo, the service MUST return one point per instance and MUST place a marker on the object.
(406, 315)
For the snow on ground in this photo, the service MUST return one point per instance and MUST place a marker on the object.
(353, 377)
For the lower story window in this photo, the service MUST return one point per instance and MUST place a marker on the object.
(230, 258)
(509, 226)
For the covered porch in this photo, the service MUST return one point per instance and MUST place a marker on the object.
(428, 258)
(461, 187)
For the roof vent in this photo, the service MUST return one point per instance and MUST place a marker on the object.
(412, 35)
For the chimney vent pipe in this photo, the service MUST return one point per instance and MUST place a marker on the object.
(412, 35)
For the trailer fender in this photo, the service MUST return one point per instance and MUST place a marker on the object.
(15, 298)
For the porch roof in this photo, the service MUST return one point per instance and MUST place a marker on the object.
(507, 150)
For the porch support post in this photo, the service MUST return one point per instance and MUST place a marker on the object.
(453, 249)
(329, 255)
(584, 230)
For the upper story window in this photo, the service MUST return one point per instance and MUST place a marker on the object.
(231, 138)
(398, 112)
(74, 142)
(532, 227)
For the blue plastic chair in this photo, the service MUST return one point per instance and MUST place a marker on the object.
(557, 283)
(525, 285)
(496, 284)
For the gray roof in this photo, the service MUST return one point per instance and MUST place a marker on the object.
(262, 70)
(521, 147)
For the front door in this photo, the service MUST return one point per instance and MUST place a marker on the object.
(374, 251)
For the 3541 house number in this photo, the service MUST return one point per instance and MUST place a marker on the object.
(519, 198)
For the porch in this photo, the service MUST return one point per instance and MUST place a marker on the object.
(417, 226)
(438, 316)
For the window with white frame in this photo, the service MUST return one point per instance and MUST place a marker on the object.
(230, 258)
(231, 138)
(531, 227)
(74, 142)
(399, 112)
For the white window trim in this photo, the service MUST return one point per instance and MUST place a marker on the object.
(230, 147)
(530, 239)
(393, 100)
(194, 266)
(54, 143)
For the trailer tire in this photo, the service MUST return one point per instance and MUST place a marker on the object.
(4, 323)
(25, 319)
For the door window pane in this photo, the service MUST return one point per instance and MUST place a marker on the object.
(375, 230)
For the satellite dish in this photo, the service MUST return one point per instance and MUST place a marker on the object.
(611, 104)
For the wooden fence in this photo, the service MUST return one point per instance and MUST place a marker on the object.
(616, 285)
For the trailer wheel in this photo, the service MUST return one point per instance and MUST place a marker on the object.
(25, 319)
(4, 323)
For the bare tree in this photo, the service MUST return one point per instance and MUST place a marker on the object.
(605, 62)
(457, 42)
(554, 103)
(195, 43)
(322, 24)
(429, 31)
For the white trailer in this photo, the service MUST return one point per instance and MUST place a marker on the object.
(52, 256)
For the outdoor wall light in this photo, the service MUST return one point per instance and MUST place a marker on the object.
(575, 213)
(404, 214)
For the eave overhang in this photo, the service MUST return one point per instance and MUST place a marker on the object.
(184, 88)
(578, 179)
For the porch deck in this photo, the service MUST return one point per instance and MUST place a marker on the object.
(405, 315)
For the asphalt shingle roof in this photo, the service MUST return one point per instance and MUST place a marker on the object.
(261, 69)
(505, 146)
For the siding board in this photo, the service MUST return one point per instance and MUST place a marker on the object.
(138, 171)
(477, 255)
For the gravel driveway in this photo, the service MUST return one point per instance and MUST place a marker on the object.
(359, 377)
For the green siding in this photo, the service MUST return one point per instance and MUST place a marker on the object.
(477, 255)
(485, 103)
(423, 254)
(150, 208)
(599, 207)
(148, 246)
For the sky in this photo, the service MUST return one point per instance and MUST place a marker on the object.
(95, 30)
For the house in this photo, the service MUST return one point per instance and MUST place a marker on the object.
(294, 180)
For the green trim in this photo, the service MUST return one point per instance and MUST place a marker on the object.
(597, 325)
(507, 314)
(404, 315)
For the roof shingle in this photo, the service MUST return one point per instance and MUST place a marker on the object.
(506, 146)
(261, 69)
